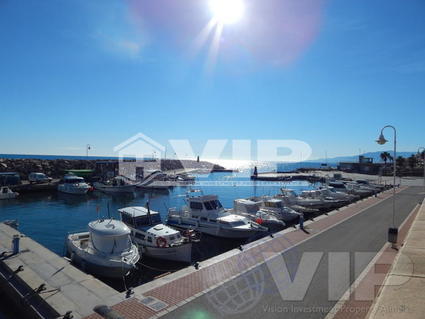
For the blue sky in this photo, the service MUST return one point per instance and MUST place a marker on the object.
(98, 72)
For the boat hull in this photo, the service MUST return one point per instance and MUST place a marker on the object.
(73, 190)
(213, 230)
(181, 253)
(8, 196)
(114, 189)
(98, 265)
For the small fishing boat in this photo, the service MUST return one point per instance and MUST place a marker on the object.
(331, 192)
(252, 210)
(105, 250)
(205, 214)
(72, 184)
(118, 184)
(277, 207)
(7, 193)
(290, 198)
(155, 239)
(327, 202)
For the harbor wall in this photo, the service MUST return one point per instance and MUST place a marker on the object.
(56, 168)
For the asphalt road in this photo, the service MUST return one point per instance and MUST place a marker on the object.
(255, 294)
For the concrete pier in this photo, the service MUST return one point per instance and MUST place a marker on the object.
(45, 285)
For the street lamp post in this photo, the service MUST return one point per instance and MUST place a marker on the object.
(423, 163)
(88, 148)
(392, 232)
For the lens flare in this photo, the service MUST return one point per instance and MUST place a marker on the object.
(227, 11)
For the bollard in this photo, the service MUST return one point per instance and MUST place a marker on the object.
(393, 235)
(15, 244)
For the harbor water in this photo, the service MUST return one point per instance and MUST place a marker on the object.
(49, 217)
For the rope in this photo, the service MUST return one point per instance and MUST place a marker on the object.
(158, 269)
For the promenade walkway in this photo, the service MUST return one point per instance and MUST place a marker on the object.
(403, 293)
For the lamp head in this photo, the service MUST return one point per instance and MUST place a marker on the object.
(381, 140)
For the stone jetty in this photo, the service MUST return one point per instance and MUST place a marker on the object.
(57, 167)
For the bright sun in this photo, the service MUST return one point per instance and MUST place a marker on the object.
(227, 11)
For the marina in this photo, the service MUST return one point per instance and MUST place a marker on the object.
(163, 249)
(61, 294)
(212, 159)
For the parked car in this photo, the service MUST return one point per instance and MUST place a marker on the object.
(39, 178)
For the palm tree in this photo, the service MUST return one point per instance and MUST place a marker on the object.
(412, 160)
(421, 157)
(385, 156)
(400, 161)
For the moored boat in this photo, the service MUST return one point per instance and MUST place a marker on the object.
(72, 184)
(155, 239)
(252, 209)
(205, 214)
(7, 193)
(118, 184)
(105, 250)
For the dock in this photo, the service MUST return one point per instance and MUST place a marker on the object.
(45, 285)
(237, 283)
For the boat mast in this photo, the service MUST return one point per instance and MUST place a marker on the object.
(149, 213)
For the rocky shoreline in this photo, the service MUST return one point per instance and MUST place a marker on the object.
(56, 168)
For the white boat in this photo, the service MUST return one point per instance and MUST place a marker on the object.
(350, 188)
(205, 214)
(7, 193)
(290, 198)
(155, 239)
(72, 184)
(252, 210)
(358, 189)
(331, 192)
(105, 250)
(327, 202)
(276, 206)
(374, 186)
(118, 184)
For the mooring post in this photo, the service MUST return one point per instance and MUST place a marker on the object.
(15, 244)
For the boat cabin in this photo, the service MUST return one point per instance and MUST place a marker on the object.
(311, 194)
(338, 185)
(205, 202)
(246, 206)
(146, 226)
(73, 179)
(207, 208)
(273, 203)
(288, 192)
(110, 236)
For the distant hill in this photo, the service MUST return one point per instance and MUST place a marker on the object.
(375, 155)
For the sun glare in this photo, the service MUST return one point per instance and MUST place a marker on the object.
(227, 11)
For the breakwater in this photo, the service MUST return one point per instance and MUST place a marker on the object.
(57, 167)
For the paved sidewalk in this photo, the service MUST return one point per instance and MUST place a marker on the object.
(403, 293)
